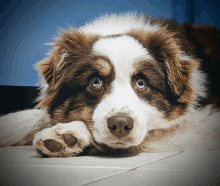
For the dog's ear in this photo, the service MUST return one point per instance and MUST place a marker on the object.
(178, 66)
(165, 47)
(179, 73)
(67, 48)
(69, 43)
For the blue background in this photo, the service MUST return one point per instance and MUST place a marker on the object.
(25, 26)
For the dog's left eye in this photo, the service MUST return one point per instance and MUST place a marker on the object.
(96, 82)
(140, 83)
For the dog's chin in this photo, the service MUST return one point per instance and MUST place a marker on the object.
(119, 145)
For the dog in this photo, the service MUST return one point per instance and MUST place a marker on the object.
(124, 83)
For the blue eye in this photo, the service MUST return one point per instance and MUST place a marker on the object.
(96, 82)
(140, 83)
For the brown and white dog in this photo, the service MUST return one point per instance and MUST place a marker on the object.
(124, 83)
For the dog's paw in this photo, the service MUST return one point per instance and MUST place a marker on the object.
(63, 140)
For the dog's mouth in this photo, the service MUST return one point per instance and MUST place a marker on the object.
(118, 144)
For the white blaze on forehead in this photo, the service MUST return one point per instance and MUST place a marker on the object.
(119, 24)
(123, 52)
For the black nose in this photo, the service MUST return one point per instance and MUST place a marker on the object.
(120, 126)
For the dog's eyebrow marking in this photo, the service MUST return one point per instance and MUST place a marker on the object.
(147, 66)
(103, 66)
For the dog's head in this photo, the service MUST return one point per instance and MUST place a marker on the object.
(121, 85)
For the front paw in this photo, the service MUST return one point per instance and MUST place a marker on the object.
(63, 140)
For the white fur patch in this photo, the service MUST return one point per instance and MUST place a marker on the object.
(199, 80)
(202, 132)
(15, 126)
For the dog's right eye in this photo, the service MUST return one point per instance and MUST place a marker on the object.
(140, 83)
(96, 82)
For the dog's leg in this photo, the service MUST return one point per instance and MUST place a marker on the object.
(19, 128)
(63, 140)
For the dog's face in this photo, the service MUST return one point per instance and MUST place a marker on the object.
(122, 86)
(120, 119)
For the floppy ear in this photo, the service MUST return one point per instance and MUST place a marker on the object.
(70, 43)
(178, 67)
(164, 46)
(67, 48)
